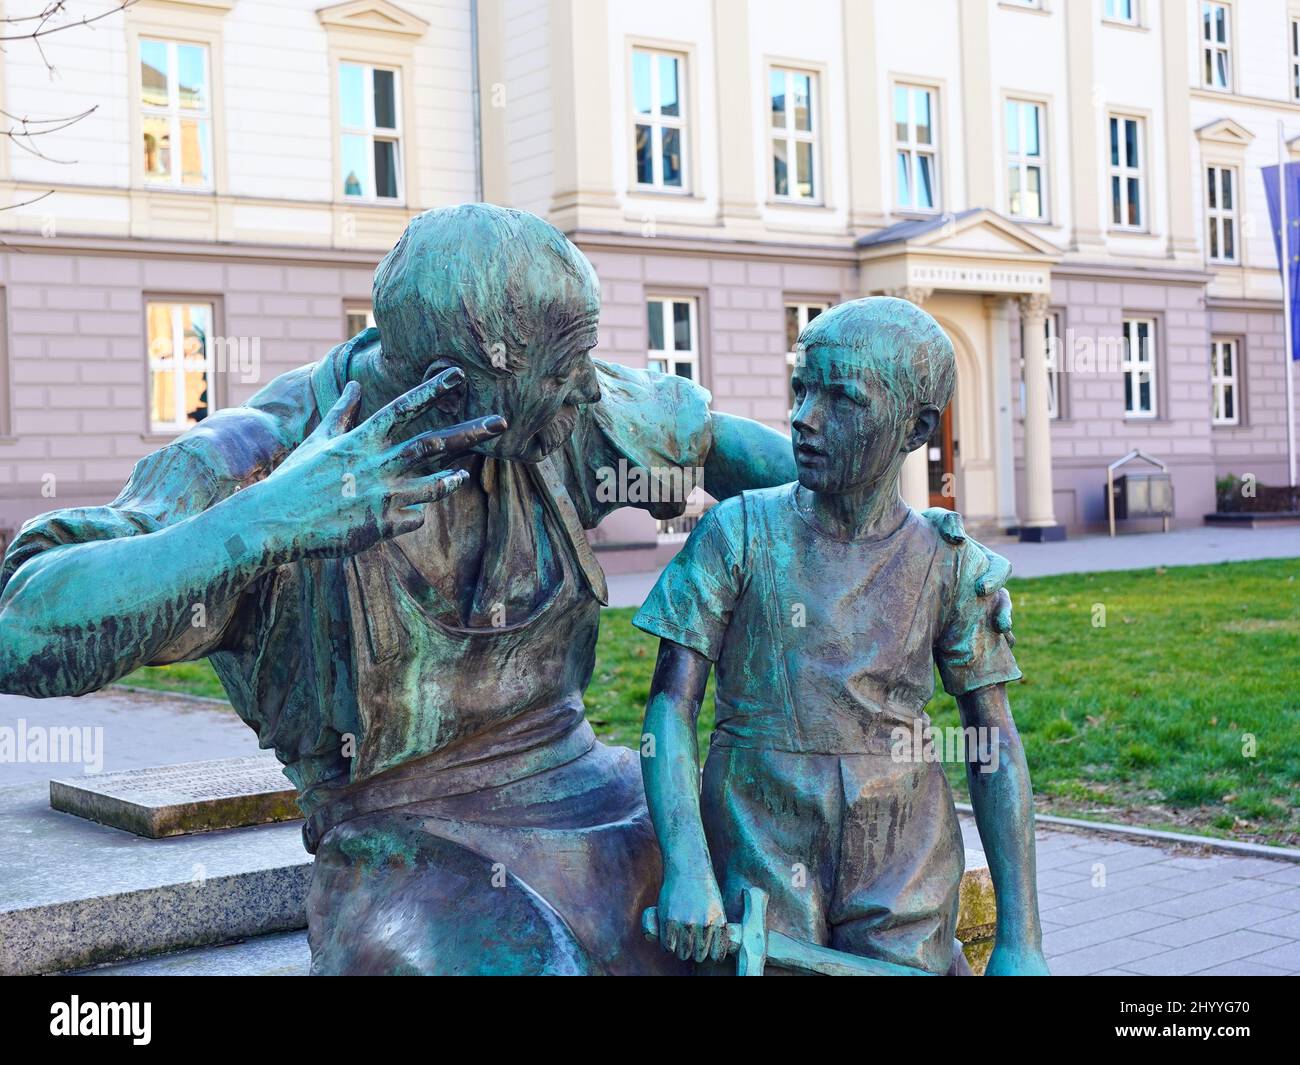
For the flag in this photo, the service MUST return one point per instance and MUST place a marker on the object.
(1291, 278)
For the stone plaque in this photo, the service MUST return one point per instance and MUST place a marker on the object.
(178, 800)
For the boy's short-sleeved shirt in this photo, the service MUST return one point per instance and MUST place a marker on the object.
(818, 642)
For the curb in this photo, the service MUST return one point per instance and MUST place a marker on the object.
(1155, 835)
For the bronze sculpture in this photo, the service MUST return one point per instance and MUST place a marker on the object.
(398, 596)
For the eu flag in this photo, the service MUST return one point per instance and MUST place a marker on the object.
(1291, 276)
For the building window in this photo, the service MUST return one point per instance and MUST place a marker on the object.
(674, 345)
(915, 149)
(797, 315)
(658, 112)
(1223, 382)
(1216, 67)
(1122, 11)
(370, 132)
(794, 134)
(1026, 161)
(1052, 329)
(1221, 213)
(1295, 59)
(180, 364)
(357, 317)
(176, 114)
(1139, 368)
(1126, 172)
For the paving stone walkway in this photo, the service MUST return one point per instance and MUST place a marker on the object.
(1114, 908)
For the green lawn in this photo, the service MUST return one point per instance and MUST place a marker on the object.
(1147, 719)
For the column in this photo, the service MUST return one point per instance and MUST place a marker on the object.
(583, 191)
(1085, 173)
(1000, 318)
(867, 198)
(1182, 181)
(1039, 522)
(978, 108)
(740, 90)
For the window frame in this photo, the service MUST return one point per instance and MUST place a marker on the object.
(372, 132)
(1131, 367)
(1125, 171)
(914, 149)
(174, 113)
(657, 121)
(1222, 384)
(670, 356)
(1220, 219)
(356, 309)
(793, 137)
(1024, 162)
(154, 429)
(801, 306)
(1211, 47)
(1294, 27)
(1134, 17)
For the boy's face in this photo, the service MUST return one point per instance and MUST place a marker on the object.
(842, 427)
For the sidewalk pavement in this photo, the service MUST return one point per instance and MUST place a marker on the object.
(1087, 554)
(1114, 908)
(1109, 908)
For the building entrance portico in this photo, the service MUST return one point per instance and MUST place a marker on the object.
(985, 280)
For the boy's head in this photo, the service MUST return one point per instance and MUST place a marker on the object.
(507, 298)
(871, 378)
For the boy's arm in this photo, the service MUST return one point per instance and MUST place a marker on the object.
(1004, 813)
(692, 921)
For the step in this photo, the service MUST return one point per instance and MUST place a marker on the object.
(75, 893)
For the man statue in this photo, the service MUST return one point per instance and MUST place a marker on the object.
(383, 556)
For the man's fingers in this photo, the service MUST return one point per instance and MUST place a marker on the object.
(447, 442)
(686, 943)
(1002, 615)
(338, 419)
(704, 939)
(410, 405)
(668, 931)
(423, 490)
(995, 576)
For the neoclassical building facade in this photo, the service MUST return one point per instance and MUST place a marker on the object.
(1071, 187)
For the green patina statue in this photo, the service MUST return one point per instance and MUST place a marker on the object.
(825, 606)
(383, 556)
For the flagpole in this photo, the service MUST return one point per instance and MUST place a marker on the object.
(1288, 351)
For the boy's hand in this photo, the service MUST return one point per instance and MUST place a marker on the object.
(1017, 961)
(692, 922)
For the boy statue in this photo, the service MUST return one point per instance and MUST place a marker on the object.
(825, 605)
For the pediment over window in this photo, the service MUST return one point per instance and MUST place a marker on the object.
(372, 16)
(1226, 131)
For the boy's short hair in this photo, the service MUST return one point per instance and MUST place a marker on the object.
(482, 284)
(897, 343)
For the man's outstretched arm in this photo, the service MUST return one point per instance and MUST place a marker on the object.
(76, 617)
(1004, 813)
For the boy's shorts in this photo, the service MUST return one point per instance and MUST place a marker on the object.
(856, 851)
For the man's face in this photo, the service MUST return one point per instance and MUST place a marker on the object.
(842, 429)
(540, 402)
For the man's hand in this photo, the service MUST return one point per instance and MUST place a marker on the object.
(692, 922)
(344, 489)
(1016, 961)
(991, 572)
